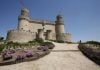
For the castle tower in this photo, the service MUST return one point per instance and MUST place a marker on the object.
(23, 20)
(59, 27)
(40, 33)
(48, 34)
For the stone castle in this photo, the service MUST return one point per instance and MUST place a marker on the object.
(29, 30)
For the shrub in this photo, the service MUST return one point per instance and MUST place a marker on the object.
(39, 40)
(43, 48)
(90, 52)
(8, 52)
(7, 56)
(93, 42)
(29, 53)
(32, 42)
(53, 40)
(39, 48)
(12, 51)
(2, 46)
(60, 41)
(1, 39)
(46, 43)
(20, 57)
(50, 45)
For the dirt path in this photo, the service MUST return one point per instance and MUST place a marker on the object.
(63, 57)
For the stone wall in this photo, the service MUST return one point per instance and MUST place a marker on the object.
(64, 37)
(20, 36)
(28, 29)
(34, 26)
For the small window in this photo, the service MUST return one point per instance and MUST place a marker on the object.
(21, 28)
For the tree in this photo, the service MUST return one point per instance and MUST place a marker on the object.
(1, 38)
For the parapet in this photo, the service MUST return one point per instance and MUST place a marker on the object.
(46, 22)
(24, 10)
(20, 36)
(24, 14)
(59, 20)
(64, 37)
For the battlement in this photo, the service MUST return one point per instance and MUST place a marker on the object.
(42, 21)
(30, 29)
(23, 17)
(16, 31)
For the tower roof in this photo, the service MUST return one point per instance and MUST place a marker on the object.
(25, 9)
(59, 16)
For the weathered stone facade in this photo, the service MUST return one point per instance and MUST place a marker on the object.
(29, 30)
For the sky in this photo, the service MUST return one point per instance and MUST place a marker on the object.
(81, 17)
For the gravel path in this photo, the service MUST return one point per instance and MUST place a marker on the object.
(63, 57)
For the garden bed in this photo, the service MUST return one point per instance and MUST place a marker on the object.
(12, 56)
(91, 52)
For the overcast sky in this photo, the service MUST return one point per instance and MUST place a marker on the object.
(81, 17)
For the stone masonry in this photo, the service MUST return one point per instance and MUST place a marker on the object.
(29, 29)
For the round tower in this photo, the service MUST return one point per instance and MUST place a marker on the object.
(59, 27)
(40, 33)
(49, 34)
(23, 20)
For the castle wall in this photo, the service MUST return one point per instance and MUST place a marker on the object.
(34, 26)
(20, 36)
(29, 29)
(50, 27)
(66, 37)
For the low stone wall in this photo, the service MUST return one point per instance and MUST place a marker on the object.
(20, 36)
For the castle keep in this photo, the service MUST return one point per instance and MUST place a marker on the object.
(29, 29)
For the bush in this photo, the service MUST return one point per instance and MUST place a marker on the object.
(1, 39)
(46, 43)
(40, 48)
(29, 53)
(20, 57)
(53, 40)
(50, 45)
(60, 41)
(93, 42)
(43, 48)
(90, 53)
(32, 41)
(39, 40)
(12, 51)
(2, 46)
(7, 56)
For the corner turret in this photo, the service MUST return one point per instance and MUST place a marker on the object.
(23, 20)
(59, 24)
(59, 27)
(59, 19)
(24, 14)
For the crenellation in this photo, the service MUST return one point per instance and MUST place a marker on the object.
(30, 29)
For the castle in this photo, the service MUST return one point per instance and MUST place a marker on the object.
(29, 30)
